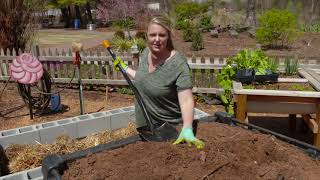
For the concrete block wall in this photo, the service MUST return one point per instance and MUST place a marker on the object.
(75, 127)
(31, 174)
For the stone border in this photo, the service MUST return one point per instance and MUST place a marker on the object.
(75, 127)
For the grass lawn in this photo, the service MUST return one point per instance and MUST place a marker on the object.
(46, 38)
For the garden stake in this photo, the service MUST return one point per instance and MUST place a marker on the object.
(153, 132)
(77, 47)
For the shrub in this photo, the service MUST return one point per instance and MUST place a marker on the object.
(197, 42)
(189, 10)
(205, 22)
(183, 24)
(187, 34)
(121, 44)
(119, 34)
(277, 28)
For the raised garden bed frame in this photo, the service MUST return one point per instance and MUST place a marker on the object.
(282, 102)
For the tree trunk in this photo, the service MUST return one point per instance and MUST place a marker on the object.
(88, 8)
(251, 20)
(78, 14)
(65, 16)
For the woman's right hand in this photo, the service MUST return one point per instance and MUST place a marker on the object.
(119, 61)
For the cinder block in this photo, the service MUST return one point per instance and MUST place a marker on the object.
(199, 114)
(130, 111)
(93, 123)
(120, 118)
(35, 173)
(24, 135)
(51, 130)
(31, 174)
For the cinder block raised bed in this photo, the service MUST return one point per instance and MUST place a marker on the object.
(75, 127)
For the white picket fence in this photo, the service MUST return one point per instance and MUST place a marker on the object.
(97, 67)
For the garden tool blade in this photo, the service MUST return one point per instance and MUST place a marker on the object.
(164, 132)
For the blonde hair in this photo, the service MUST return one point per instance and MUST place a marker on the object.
(165, 23)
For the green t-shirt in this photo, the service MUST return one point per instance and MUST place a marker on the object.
(159, 89)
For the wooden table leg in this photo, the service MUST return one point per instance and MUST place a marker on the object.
(316, 136)
(241, 112)
(292, 122)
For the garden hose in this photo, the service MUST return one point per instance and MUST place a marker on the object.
(39, 103)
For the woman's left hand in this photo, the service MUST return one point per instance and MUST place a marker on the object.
(187, 135)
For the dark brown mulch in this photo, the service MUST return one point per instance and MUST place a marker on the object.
(230, 153)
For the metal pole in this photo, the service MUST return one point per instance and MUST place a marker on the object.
(30, 102)
(79, 82)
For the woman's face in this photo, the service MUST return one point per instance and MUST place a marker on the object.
(157, 38)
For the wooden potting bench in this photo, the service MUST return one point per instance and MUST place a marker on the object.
(282, 102)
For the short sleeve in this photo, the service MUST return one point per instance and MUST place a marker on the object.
(184, 80)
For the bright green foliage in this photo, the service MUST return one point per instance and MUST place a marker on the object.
(224, 79)
(249, 59)
(205, 22)
(197, 41)
(277, 28)
(189, 10)
(124, 45)
(245, 59)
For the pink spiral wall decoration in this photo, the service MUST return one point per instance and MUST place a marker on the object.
(26, 69)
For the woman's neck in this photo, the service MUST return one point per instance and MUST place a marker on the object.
(159, 58)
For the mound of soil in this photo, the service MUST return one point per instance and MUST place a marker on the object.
(230, 153)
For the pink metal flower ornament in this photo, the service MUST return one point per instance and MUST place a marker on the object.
(26, 69)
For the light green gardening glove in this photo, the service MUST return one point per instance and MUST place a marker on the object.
(188, 136)
(119, 61)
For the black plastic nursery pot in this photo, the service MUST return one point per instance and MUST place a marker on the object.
(53, 166)
(245, 76)
(267, 78)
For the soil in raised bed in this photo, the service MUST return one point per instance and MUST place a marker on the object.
(230, 153)
(283, 86)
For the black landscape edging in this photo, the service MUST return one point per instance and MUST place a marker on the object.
(53, 166)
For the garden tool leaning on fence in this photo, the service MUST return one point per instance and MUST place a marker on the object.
(153, 132)
(76, 48)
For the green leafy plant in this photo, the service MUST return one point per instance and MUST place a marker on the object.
(141, 43)
(277, 28)
(224, 79)
(121, 44)
(125, 90)
(197, 41)
(252, 59)
(291, 66)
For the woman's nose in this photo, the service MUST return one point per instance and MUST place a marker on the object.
(157, 38)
